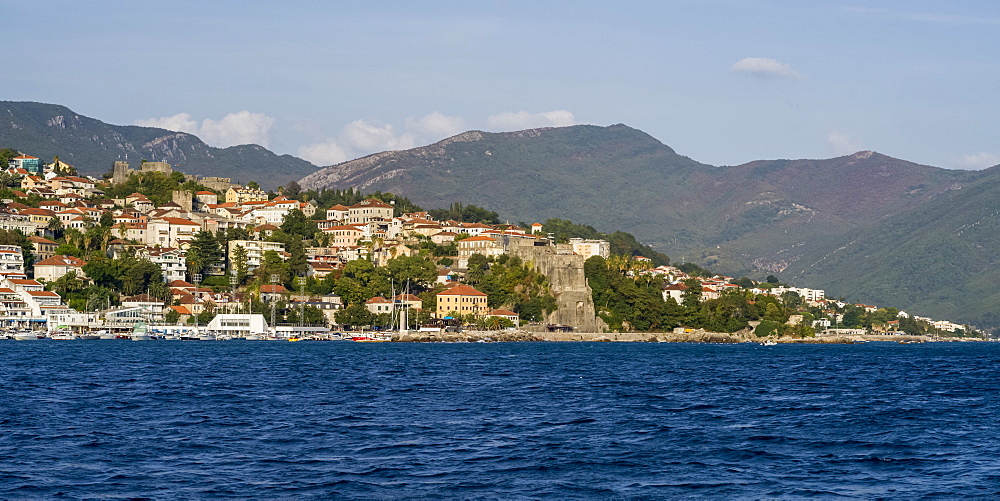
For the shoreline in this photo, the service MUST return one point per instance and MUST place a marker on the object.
(656, 337)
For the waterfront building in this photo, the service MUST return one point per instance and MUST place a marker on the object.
(463, 300)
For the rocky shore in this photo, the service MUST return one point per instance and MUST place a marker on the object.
(695, 336)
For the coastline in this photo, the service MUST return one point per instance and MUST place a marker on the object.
(655, 337)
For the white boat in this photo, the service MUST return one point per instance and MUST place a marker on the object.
(25, 336)
(769, 342)
(141, 333)
(64, 336)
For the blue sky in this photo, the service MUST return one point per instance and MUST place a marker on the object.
(724, 82)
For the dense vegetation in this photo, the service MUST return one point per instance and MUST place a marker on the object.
(622, 244)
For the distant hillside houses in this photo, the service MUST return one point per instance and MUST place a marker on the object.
(49, 200)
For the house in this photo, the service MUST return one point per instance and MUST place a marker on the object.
(408, 301)
(675, 291)
(42, 247)
(509, 315)
(206, 198)
(11, 259)
(487, 246)
(172, 261)
(344, 236)
(241, 195)
(337, 213)
(590, 248)
(461, 299)
(170, 231)
(27, 162)
(272, 293)
(379, 304)
(368, 210)
(55, 267)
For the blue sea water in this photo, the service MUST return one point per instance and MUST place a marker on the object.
(183, 420)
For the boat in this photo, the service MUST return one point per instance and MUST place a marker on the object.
(64, 336)
(25, 335)
(769, 342)
(383, 337)
(141, 333)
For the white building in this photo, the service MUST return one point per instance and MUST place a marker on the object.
(239, 324)
(171, 261)
(589, 248)
(11, 259)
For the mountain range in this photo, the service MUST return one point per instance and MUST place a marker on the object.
(867, 227)
(47, 130)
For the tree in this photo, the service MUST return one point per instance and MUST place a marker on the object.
(67, 250)
(272, 264)
(107, 219)
(203, 253)
(140, 276)
(6, 155)
(355, 315)
(296, 224)
(414, 270)
(238, 262)
(172, 316)
(292, 190)
(692, 296)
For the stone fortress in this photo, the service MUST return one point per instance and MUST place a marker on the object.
(564, 269)
(121, 170)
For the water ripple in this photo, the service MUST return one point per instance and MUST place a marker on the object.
(497, 421)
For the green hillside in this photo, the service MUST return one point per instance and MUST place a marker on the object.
(47, 130)
(763, 217)
(939, 259)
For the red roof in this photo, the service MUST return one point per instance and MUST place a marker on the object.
(461, 290)
(62, 261)
(179, 220)
(278, 289)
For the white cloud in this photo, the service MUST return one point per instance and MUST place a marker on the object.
(326, 153)
(363, 137)
(181, 122)
(437, 125)
(764, 67)
(242, 127)
(977, 161)
(238, 128)
(843, 144)
(524, 120)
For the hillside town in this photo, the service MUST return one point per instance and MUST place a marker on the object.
(197, 258)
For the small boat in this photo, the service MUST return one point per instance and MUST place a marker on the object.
(373, 338)
(769, 342)
(26, 336)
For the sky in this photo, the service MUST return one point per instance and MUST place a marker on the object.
(722, 81)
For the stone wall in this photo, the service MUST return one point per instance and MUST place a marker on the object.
(574, 297)
(183, 198)
(163, 167)
(120, 172)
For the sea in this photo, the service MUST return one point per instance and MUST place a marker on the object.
(341, 420)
